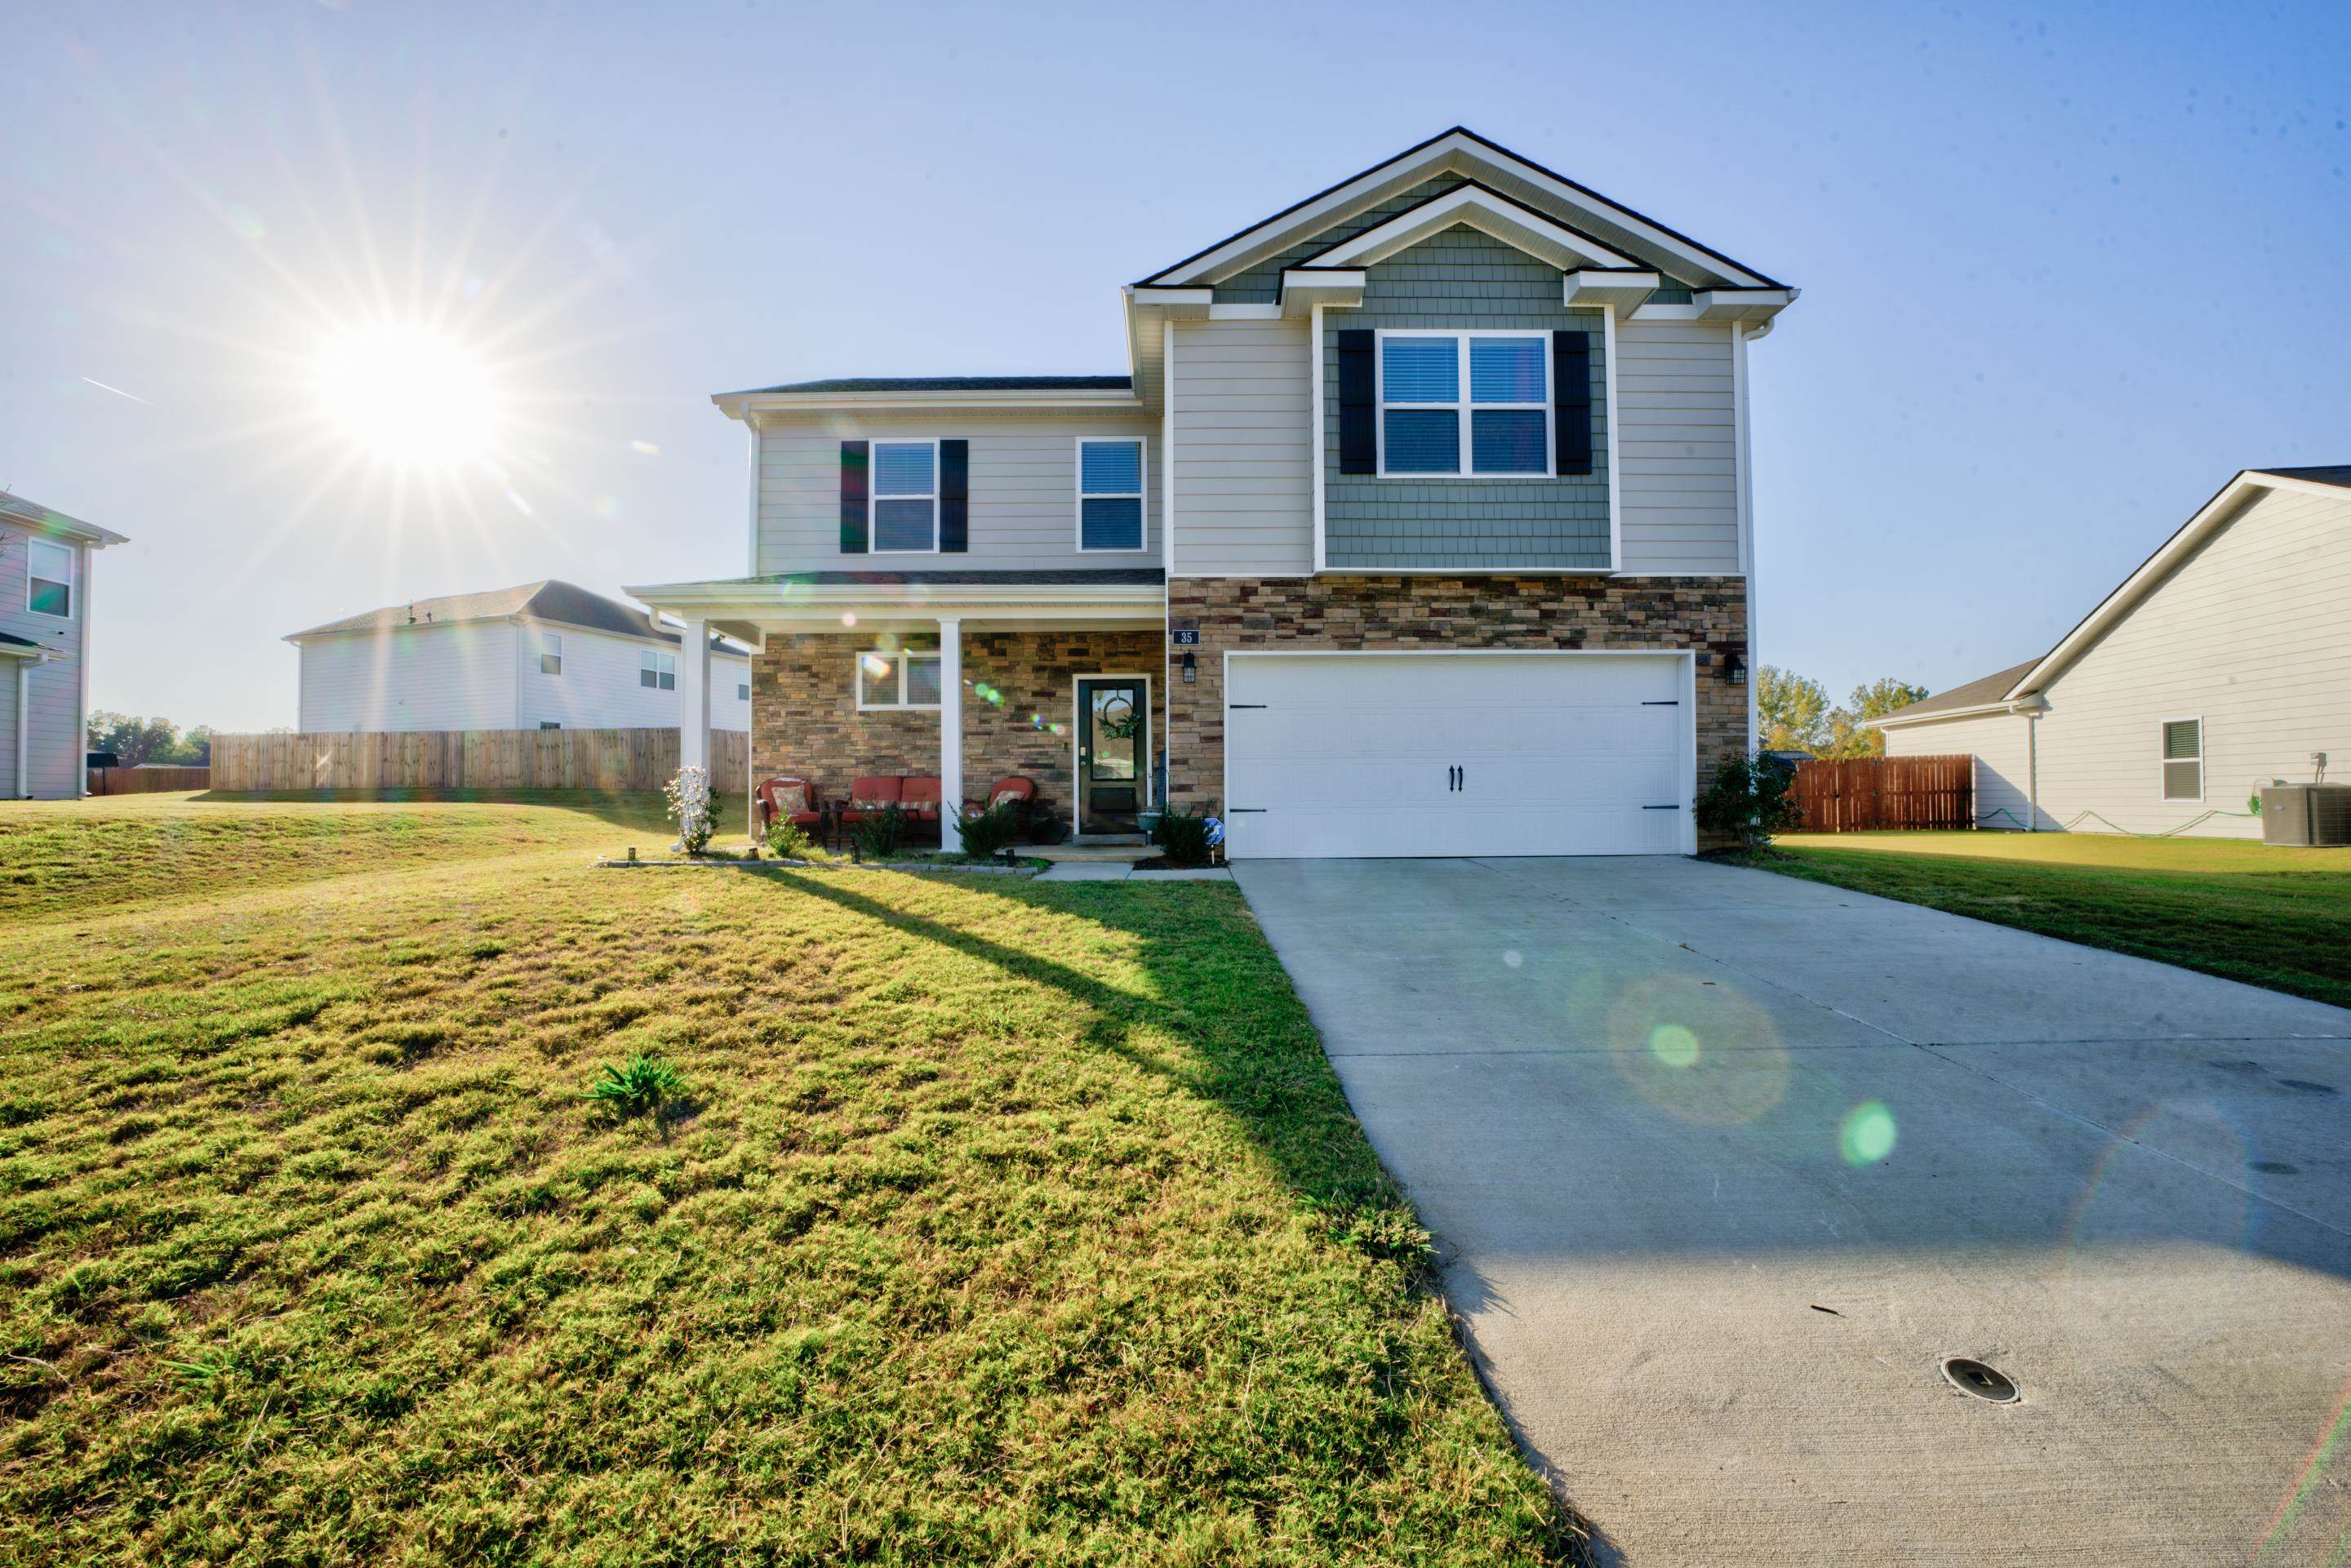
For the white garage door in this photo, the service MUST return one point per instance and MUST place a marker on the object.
(1457, 754)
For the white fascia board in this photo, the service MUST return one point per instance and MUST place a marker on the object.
(1186, 304)
(2209, 519)
(1304, 287)
(1616, 289)
(1068, 400)
(776, 601)
(43, 521)
(36, 655)
(1898, 720)
(1481, 209)
(1740, 304)
(1251, 312)
(1454, 151)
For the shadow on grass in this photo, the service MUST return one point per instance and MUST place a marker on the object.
(641, 811)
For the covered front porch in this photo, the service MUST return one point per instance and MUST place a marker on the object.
(944, 684)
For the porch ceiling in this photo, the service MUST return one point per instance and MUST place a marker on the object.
(750, 608)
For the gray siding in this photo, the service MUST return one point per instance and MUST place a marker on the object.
(1677, 426)
(55, 740)
(1244, 455)
(1023, 491)
(1463, 278)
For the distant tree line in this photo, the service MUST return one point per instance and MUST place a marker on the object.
(1795, 715)
(144, 742)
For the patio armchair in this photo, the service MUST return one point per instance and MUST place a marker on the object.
(792, 800)
(1015, 788)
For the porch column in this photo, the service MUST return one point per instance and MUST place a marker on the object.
(694, 697)
(950, 734)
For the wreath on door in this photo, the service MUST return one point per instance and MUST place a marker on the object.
(1118, 719)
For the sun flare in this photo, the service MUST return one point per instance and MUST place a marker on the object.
(407, 394)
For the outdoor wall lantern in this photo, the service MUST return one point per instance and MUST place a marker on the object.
(1191, 669)
(1736, 664)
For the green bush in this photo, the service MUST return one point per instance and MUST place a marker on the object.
(877, 835)
(641, 1084)
(788, 839)
(1183, 837)
(1748, 796)
(988, 834)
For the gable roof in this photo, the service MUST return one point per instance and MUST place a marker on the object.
(2015, 684)
(550, 600)
(1464, 151)
(41, 520)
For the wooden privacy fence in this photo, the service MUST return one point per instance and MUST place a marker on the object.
(147, 780)
(468, 759)
(1853, 794)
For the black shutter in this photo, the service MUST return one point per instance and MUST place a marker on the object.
(1571, 380)
(1358, 446)
(854, 464)
(955, 496)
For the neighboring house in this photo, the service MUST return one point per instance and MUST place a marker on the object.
(2223, 663)
(1420, 525)
(546, 656)
(45, 571)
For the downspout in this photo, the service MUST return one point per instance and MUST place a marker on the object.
(88, 564)
(1740, 454)
(2032, 770)
(24, 732)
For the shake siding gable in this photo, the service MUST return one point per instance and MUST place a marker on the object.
(1244, 458)
(2249, 632)
(1023, 480)
(1464, 279)
(55, 739)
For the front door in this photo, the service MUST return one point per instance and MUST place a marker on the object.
(1114, 753)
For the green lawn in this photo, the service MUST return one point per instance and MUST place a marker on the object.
(1000, 1222)
(2274, 917)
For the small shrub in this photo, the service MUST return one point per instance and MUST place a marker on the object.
(644, 1084)
(1748, 796)
(689, 807)
(1184, 837)
(790, 839)
(987, 834)
(876, 836)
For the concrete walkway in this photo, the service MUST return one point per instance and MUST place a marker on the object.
(1722, 1164)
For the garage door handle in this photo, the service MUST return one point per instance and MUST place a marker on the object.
(1676, 806)
(1244, 704)
(1661, 702)
(1245, 811)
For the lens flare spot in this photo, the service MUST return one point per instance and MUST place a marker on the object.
(1513, 958)
(848, 618)
(1673, 1045)
(1866, 1134)
(645, 448)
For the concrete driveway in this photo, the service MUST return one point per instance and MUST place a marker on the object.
(1723, 1165)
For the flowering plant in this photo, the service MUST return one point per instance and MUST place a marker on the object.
(689, 807)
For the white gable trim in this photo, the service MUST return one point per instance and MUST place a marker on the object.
(1484, 211)
(1456, 151)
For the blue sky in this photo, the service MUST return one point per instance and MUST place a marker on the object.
(2064, 268)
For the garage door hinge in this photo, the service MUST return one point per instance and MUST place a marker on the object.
(1661, 702)
(1244, 705)
(1676, 806)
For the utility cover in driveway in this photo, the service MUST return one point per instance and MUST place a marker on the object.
(1457, 754)
(1726, 1168)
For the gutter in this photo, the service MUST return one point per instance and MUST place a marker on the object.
(2025, 704)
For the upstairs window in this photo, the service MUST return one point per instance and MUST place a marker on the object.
(906, 497)
(550, 654)
(1110, 494)
(657, 672)
(50, 586)
(899, 678)
(1429, 427)
(2183, 759)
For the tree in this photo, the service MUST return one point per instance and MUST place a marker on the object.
(1793, 711)
(1846, 737)
(149, 742)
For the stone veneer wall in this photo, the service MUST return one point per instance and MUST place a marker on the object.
(1708, 614)
(805, 721)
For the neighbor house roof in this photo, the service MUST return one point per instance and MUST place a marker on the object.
(2020, 682)
(33, 515)
(15, 647)
(560, 603)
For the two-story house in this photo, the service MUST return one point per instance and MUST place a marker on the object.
(1421, 525)
(45, 597)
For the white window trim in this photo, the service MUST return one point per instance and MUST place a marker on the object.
(1463, 407)
(653, 659)
(874, 498)
(2163, 785)
(1141, 495)
(72, 578)
(899, 657)
(551, 642)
